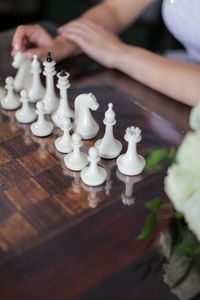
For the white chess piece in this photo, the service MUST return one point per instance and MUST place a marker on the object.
(50, 99)
(108, 147)
(36, 91)
(10, 101)
(93, 175)
(41, 127)
(76, 160)
(85, 124)
(131, 163)
(64, 143)
(63, 110)
(23, 77)
(26, 114)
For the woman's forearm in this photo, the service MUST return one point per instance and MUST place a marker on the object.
(177, 80)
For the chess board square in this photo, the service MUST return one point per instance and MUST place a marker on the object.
(73, 202)
(37, 161)
(6, 207)
(14, 232)
(4, 156)
(17, 147)
(11, 173)
(9, 130)
(26, 193)
(46, 215)
(53, 180)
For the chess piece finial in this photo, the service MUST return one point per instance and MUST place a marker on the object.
(64, 143)
(49, 58)
(131, 163)
(41, 127)
(10, 101)
(93, 175)
(37, 90)
(50, 99)
(76, 160)
(63, 73)
(25, 114)
(85, 124)
(108, 146)
(63, 111)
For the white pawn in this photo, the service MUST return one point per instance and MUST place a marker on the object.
(50, 99)
(37, 90)
(76, 160)
(23, 77)
(85, 124)
(63, 110)
(25, 114)
(131, 163)
(11, 100)
(64, 143)
(41, 127)
(93, 175)
(108, 147)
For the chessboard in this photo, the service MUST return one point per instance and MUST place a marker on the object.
(40, 197)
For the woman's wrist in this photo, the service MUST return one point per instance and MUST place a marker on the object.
(63, 48)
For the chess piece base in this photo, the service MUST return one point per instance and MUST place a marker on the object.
(25, 119)
(129, 169)
(91, 180)
(62, 146)
(76, 164)
(46, 129)
(108, 151)
(9, 106)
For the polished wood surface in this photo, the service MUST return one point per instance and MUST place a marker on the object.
(60, 239)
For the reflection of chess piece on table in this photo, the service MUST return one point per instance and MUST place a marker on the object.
(26, 114)
(63, 111)
(41, 127)
(10, 101)
(131, 163)
(93, 198)
(108, 147)
(50, 99)
(128, 197)
(108, 165)
(45, 145)
(23, 77)
(36, 91)
(76, 183)
(85, 125)
(63, 143)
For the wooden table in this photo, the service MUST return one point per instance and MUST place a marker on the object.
(60, 239)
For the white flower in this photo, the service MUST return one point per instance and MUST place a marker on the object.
(191, 211)
(180, 184)
(188, 155)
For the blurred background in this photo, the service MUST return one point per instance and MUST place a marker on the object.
(148, 32)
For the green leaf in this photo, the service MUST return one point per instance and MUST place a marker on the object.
(149, 225)
(188, 248)
(154, 204)
(155, 158)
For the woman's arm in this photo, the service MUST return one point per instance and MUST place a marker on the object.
(178, 80)
(114, 15)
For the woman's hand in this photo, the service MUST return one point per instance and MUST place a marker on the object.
(98, 43)
(33, 39)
